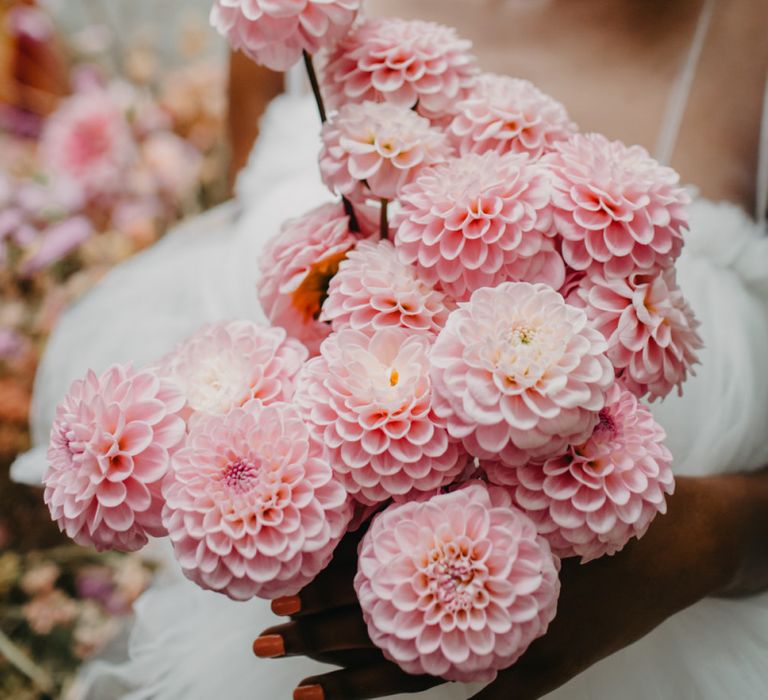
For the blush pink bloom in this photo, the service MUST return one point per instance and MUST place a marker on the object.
(595, 498)
(651, 331)
(615, 207)
(110, 448)
(297, 267)
(380, 145)
(374, 290)
(411, 63)
(519, 374)
(477, 221)
(274, 33)
(252, 506)
(508, 115)
(457, 586)
(368, 399)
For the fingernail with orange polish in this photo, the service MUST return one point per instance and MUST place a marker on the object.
(308, 692)
(289, 605)
(269, 646)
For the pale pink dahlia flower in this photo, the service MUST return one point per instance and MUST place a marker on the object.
(519, 374)
(110, 448)
(224, 365)
(374, 290)
(651, 331)
(252, 506)
(411, 63)
(595, 498)
(508, 115)
(457, 586)
(89, 142)
(477, 221)
(368, 399)
(616, 208)
(381, 145)
(296, 268)
(274, 33)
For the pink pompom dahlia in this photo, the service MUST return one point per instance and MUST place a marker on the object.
(368, 399)
(508, 115)
(457, 586)
(651, 331)
(615, 207)
(297, 267)
(411, 63)
(595, 498)
(379, 145)
(519, 374)
(111, 443)
(477, 221)
(274, 33)
(252, 506)
(374, 290)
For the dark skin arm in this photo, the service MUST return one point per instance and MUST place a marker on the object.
(713, 541)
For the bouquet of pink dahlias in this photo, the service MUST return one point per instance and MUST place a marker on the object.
(467, 377)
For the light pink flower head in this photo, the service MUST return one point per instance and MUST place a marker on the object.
(224, 365)
(457, 586)
(368, 399)
(519, 374)
(374, 290)
(509, 115)
(616, 208)
(651, 331)
(274, 33)
(252, 506)
(411, 63)
(477, 221)
(88, 141)
(110, 448)
(296, 268)
(380, 145)
(595, 498)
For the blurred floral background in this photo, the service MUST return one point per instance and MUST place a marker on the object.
(111, 130)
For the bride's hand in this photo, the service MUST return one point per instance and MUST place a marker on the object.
(698, 549)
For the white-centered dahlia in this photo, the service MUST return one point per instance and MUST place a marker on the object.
(651, 331)
(615, 207)
(378, 146)
(519, 374)
(368, 400)
(411, 63)
(509, 115)
(457, 586)
(374, 290)
(601, 494)
(477, 221)
(252, 505)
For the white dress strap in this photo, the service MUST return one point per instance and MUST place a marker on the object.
(761, 213)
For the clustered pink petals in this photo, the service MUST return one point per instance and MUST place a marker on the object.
(615, 207)
(374, 290)
(595, 498)
(519, 374)
(225, 365)
(274, 33)
(410, 63)
(509, 115)
(110, 448)
(651, 331)
(380, 145)
(477, 221)
(252, 506)
(457, 586)
(368, 399)
(296, 268)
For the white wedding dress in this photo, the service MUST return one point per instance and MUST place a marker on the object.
(188, 644)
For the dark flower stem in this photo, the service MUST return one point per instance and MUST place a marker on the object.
(384, 220)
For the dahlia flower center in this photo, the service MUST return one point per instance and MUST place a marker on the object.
(312, 292)
(606, 425)
(91, 141)
(451, 576)
(216, 383)
(240, 475)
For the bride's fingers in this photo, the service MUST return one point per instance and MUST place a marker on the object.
(331, 589)
(363, 682)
